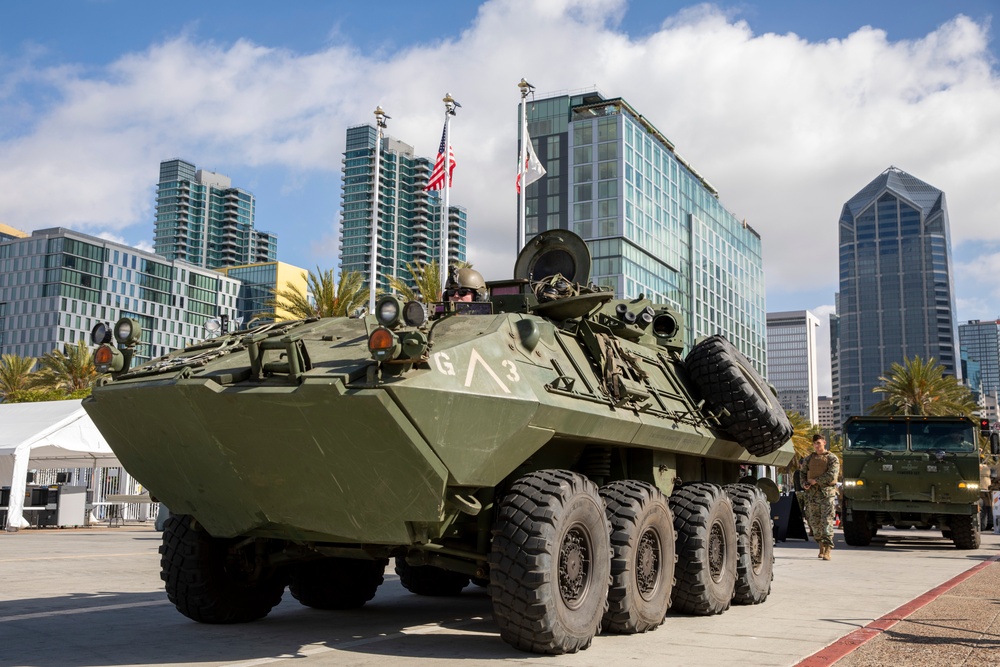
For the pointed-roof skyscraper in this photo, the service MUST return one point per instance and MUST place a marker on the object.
(896, 299)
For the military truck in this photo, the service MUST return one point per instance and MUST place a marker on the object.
(551, 444)
(911, 471)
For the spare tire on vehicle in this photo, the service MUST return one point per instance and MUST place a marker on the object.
(747, 409)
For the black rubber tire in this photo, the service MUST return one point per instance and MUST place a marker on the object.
(706, 549)
(733, 389)
(965, 531)
(205, 583)
(550, 563)
(857, 529)
(755, 540)
(337, 583)
(642, 556)
(430, 580)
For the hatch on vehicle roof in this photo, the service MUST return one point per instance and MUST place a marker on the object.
(551, 252)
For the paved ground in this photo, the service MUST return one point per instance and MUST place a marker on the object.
(93, 598)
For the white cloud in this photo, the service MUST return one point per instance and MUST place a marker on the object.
(788, 130)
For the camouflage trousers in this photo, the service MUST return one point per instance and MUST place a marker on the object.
(820, 511)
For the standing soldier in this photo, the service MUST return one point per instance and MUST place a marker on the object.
(819, 473)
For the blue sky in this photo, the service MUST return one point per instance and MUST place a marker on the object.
(788, 108)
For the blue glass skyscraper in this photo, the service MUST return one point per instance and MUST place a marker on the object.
(654, 225)
(896, 298)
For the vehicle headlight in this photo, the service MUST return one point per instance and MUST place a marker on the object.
(387, 311)
(968, 486)
(127, 331)
(414, 313)
(851, 483)
(100, 334)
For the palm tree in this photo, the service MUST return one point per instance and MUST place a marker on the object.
(15, 374)
(68, 371)
(427, 278)
(330, 297)
(802, 433)
(921, 388)
(428, 281)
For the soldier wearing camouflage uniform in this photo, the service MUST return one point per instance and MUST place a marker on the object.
(820, 471)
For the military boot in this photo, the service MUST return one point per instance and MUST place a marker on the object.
(825, 553)
(822, 550)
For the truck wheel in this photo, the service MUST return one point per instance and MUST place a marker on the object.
(642, 556)
(706, 549)
(755, 540)
(729, 384)
(965, 531)
(337, 583)
(550, 564)
(430, 580)
(857, 529)
(208, 581)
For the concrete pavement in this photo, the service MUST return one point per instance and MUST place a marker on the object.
(93, 597)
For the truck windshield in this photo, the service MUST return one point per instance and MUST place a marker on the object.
(943, 437)
(890, 437)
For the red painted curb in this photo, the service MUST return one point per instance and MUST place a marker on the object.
(846, 644)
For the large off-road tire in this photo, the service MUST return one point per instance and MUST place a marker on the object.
(705, 575)
(858, 528)
(430, 580)
(747, 409)
(337, 583)
(210, 583)
(965, 531)
(550, 564)
(755, 540)
(642, 556)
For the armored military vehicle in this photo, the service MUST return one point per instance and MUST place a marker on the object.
(911, 471)
(551, 444)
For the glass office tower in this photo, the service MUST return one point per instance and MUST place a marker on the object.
(981, 340)
(896, 298)
(791, 361)
(56, 284)
(654, 225)
(203, 220)
(409, 220)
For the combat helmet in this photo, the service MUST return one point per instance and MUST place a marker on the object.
(466, 279)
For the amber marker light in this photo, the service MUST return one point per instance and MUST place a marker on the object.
(382, 344)
(103, 355)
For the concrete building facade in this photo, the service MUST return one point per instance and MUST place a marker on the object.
(792, 363)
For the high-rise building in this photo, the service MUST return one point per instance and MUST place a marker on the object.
(56, 284)
(258, 283)
(827, 416)
(654, 225)
(203, 220)
(981, 341)
(7, 233)
(409, 229)
(896, 300)
(791, 361)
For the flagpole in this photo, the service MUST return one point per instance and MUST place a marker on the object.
(449, 111)
(380, 118)
(521, 159)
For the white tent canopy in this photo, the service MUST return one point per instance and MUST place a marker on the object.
(53, 434)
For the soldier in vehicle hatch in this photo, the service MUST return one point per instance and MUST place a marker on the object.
(820, 471)
(465, 285)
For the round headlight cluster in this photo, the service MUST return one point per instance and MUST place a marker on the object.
(127, 331)
(415, 313)
(100, 334)
(387, 311)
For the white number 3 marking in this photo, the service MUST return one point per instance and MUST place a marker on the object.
(512, 375)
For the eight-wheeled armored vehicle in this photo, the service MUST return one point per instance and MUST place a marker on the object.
(911, 471)
(550, 443)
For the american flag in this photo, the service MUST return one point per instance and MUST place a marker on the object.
(436, 181)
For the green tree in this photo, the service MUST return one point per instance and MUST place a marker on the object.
(427, 278)
(68, 371)
(16, 374)
(42, 395)
(917, 387)
(330, 297)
